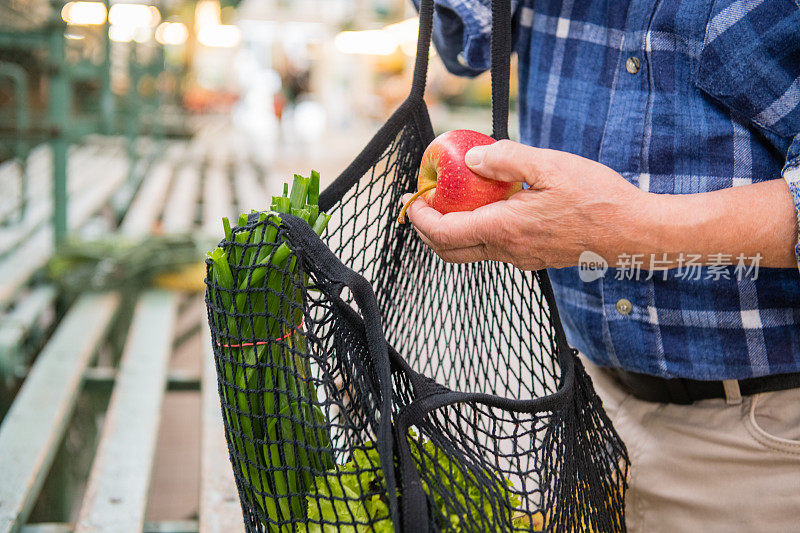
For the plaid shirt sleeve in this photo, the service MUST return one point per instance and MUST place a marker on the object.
(752, 66)
(462, 32)
(791, 173)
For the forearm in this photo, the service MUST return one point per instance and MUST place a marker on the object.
(574, 205)
(751, 220)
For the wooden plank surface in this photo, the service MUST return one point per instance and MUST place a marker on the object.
(116, 495)
(216, 200)
(34, 427)
(17, 267)
(220, 510)
(166, 526)
(26, 311)
(181, 206)
(38, 173)
(146, 206)
(249, 191)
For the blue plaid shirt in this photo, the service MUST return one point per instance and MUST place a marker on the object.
(678, 96)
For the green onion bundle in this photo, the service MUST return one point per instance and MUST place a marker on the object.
(278, 432)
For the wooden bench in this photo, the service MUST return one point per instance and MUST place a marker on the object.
(176, 192)
(117, 492)
(181, 207)
(84, 163)
(36, 422)
(115, 500)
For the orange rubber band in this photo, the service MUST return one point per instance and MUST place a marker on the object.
(260, 343)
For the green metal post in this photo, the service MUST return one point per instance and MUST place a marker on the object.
(106, 97)
(132, 111)
(159, 123)
(58, 111)
(19, 79)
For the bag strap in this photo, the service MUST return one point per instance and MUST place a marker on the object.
(420, 79)
(501, 66)
(500, 53)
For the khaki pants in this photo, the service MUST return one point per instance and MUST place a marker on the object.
(709, 466)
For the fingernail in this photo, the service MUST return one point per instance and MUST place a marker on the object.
(475, 155)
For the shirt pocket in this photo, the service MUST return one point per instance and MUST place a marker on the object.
(750, 61)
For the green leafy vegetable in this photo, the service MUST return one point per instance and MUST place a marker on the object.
(278, 431)
(355, 492)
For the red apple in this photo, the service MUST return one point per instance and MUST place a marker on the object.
(447, 183)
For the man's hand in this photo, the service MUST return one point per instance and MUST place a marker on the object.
(572, 204)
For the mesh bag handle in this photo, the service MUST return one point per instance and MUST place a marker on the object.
(501, 66)
(500, 60)
(413, 107)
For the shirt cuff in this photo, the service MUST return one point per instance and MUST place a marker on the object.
(462, 33)
(791, 173)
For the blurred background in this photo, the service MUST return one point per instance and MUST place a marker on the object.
(128, 129)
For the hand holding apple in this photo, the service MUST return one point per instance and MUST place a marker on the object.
(572, 204)
(445, 181)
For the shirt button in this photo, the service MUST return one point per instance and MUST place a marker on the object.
(633, 64)
(462, 60)
(624, 307)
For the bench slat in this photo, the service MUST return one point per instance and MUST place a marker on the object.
(116, 494)
(146, 206)
(17, 267)
(179, 212)
(166, 526)
(216, 200)
(34, 427)
(249, 192)
(220, 510)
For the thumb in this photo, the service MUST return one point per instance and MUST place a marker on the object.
(508, 161)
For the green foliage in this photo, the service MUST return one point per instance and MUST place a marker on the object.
(115, 263)
(461, 483)
(352, 494)
(355, 493)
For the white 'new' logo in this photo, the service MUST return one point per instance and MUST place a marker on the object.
(591, 266)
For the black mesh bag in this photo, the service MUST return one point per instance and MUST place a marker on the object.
(366, 385)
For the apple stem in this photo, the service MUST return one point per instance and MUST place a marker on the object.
(402, 218)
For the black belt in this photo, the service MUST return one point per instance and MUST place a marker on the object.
(686, 391)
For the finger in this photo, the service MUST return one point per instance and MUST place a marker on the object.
(424, 238)
(454, 230)
(423, 216)
(513, 162)
(406, 197)
(472, 254)
(430, 244)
